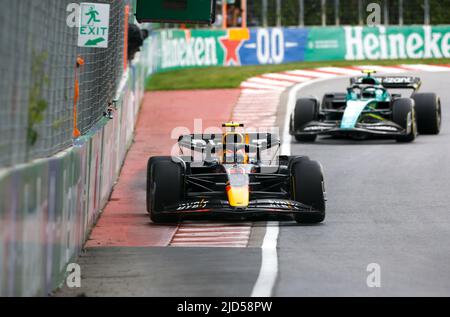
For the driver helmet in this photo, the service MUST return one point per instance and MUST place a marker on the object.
(369, 92)
(231, 153)
(238, 157)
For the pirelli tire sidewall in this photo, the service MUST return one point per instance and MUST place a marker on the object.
(165, 186)
(306, 110)
(308, 188)
(428, 112)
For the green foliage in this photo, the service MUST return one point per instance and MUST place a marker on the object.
(37, 104)
(440, 11)
(348, 11)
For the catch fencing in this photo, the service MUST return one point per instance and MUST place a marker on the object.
(345, 12)
(37, 84)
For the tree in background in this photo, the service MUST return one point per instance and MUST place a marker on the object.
(413, 12)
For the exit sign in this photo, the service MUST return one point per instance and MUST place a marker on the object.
(176, 11)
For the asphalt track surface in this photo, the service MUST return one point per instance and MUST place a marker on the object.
(387, 204)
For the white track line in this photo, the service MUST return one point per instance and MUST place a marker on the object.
(269, 264)
(268, 273)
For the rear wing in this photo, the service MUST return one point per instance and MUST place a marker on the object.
(213, 142)
(392, 82)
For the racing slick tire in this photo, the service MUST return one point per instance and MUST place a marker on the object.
(165, 186)
(306, 110)
(428, 113)
(308, 188)
(403, 111)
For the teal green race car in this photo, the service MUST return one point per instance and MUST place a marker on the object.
(368, 109)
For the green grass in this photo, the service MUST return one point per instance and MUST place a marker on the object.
(231, 77)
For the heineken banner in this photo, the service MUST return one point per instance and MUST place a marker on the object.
(414, 42)
(174, 49)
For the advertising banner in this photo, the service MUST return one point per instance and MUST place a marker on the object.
(274, 46)
(191, 48)
(409, 42)
(175, 49)
(325, 44)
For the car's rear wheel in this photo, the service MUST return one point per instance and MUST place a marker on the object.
(403, 113)
(308, 188)
(428, 113)
(165, 187)
(306, 110)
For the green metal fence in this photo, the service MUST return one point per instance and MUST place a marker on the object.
(38, 57)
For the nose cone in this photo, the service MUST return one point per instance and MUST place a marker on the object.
(238, 196)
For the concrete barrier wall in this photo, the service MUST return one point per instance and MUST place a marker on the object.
(48, 206)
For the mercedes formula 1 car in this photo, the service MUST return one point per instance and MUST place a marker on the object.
(368, 108)
(234, 178)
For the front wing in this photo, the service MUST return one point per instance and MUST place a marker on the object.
(386, 128)
(221, 208)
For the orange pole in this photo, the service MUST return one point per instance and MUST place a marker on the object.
(76, 132)
(224, 14)
(244, 13)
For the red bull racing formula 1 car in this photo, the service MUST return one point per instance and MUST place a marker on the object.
(234, 179)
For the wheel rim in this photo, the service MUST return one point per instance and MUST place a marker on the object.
(438, 115)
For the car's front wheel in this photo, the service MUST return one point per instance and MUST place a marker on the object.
(308, 188)
(165, 187)
(404, 115)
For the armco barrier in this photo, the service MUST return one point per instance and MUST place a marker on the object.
(48, 206)
(175, 49)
